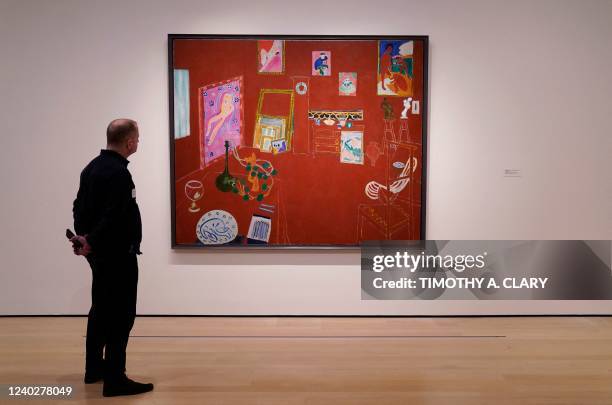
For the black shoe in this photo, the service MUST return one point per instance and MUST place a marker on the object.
(124, 386)
(93, 377)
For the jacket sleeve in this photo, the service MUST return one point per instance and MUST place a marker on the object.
(115, 200)
(78, 207)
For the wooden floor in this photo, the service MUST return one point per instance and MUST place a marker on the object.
(531, 360)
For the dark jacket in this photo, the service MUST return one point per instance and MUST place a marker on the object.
(105, 208)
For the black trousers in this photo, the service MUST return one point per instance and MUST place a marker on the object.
(112, 313)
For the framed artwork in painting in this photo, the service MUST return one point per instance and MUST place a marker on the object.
(297, 141)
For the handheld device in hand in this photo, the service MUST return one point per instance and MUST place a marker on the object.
(70, 235)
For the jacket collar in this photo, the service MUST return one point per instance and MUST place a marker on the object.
(114, 155)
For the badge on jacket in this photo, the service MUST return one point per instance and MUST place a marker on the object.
(133, 193)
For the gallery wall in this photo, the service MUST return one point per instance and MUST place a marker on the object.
(519, 85)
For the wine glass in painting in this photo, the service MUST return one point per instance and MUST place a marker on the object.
(194, 190)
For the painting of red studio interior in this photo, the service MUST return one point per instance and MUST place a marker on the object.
(297, 141)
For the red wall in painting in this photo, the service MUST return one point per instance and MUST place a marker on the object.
(210, 61)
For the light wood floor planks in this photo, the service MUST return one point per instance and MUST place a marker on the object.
(361, 361)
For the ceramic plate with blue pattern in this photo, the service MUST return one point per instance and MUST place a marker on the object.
(217, 227)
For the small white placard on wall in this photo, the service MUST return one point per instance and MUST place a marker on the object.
(513, 173)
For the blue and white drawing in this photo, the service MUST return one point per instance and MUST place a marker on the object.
(351, 147)
(260, 228)
(181, 103)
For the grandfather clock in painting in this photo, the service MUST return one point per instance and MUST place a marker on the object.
(301, 136)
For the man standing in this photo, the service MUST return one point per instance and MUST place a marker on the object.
(109, 230)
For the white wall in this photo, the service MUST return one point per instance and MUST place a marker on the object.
(522, 84)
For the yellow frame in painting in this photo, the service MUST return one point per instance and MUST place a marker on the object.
(289, 119)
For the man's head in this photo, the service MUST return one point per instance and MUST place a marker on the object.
(122, 136)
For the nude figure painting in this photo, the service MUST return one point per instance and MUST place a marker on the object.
(221, 118)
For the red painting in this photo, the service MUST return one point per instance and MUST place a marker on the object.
(286, 159)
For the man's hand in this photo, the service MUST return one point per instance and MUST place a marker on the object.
(84, 249)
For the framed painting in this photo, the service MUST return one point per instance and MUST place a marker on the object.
(274, 146)
(271, 56)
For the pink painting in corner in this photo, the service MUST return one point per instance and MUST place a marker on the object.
(271, 56)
